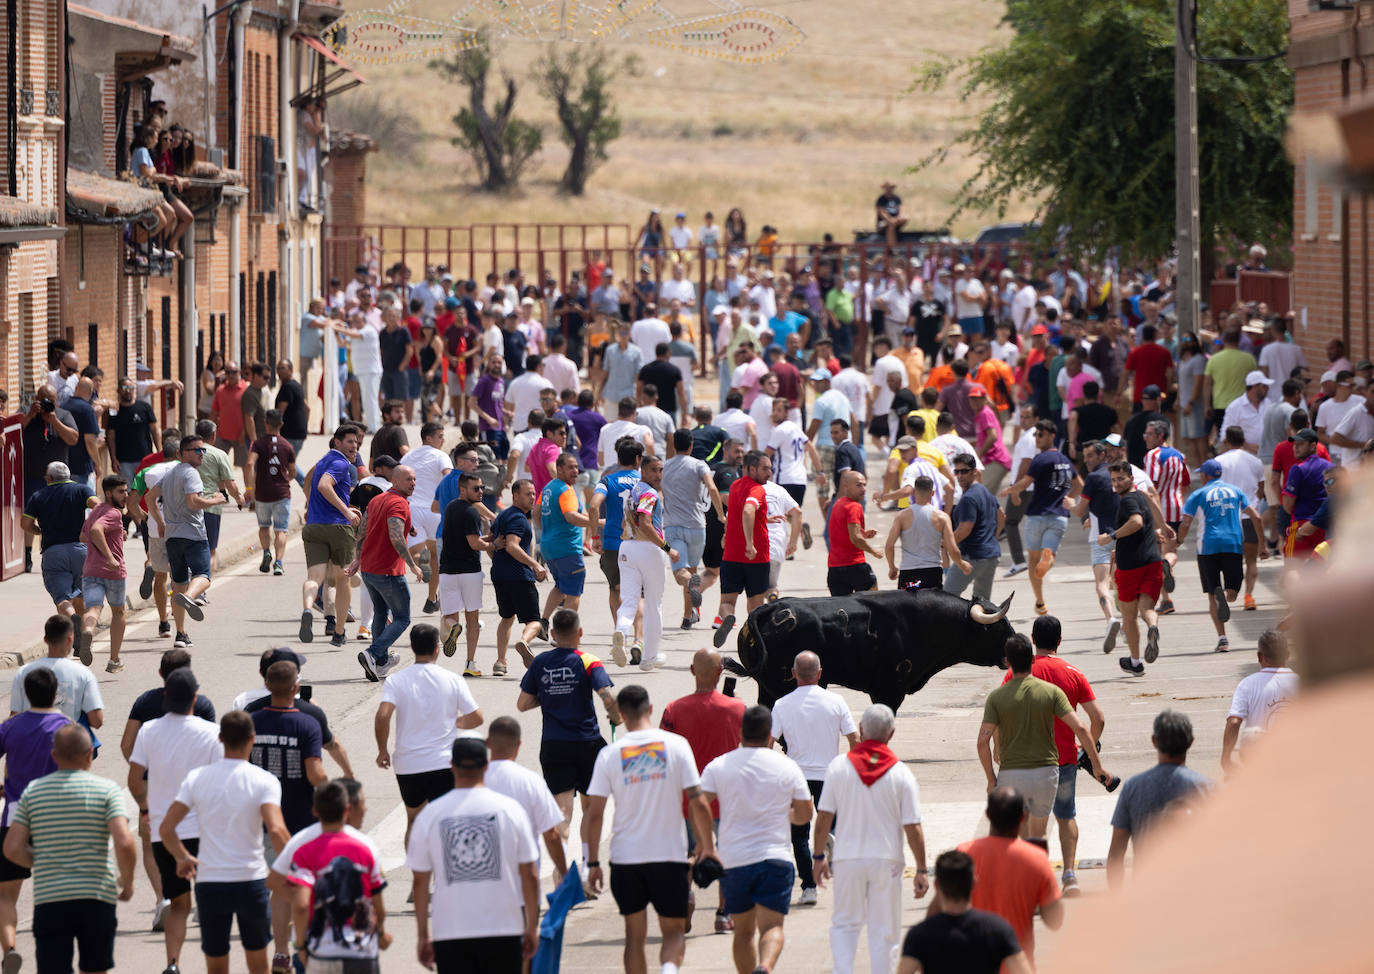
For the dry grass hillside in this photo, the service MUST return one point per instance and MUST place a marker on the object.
(802, 143)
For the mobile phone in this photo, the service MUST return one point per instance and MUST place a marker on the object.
(305, 691)
(729, 688)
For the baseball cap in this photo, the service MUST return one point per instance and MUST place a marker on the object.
(446, 277)
(681, 215)
(281, 654)
(976, 392)
(959, 268)
(1040, 330)
(1152, 391)
(469, 752)
(1213, 469)
(142, 367)
(767, 275)
(179, 690)
(1307, 435)
(1257, 378)
(1329, 375)
(1113, 439)
(527, 302)
(1363, 364)
(385, 460)
(907, 443)
(908, 331)
(820, 375)
(452, 302)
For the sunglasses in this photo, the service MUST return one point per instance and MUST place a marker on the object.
(198, 449)
(963, 470)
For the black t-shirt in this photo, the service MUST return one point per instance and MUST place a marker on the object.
(285, 740)
(890, 203)
(458, 558)
(1134, 434)
(929, 316)
(78, 459)
(848, 456)
(133, 430)
(1095, 420)
(664, 376)
(305, 707)
(43, 446)
(903, 402)
(972, 942)
(149, 706)
(515, 344)
(724, 475)
(576, 317)
(1139, 548)
(294, 417)
(395, 347)
(707, 441)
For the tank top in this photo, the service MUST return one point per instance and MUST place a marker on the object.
(920, 540)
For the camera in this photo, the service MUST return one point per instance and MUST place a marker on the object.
(1111, 784)
(47, 405)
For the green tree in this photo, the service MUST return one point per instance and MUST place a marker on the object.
(578, 80)
(1078, 114)
(500, 144)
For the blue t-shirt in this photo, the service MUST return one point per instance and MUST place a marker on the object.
(784, 325)
(979, 506)
(318, 510)
(615, 486)
(565, 681)
(60, 510)
(285, 740)
(827, 409)
(505, 568)
(446, 493)
(140, 160)
(78, 459)
(1221, 505)
(559, 538)
(514, 344)
(1052, 474)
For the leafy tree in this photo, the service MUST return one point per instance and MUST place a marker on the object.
(499, 143)
(578, 81)
(1079, 115)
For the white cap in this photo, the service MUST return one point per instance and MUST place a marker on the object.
(1329, 375)
(1257, 378)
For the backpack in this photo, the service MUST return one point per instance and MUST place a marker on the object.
(340, 901)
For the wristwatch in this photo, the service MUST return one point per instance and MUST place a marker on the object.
(818, 856)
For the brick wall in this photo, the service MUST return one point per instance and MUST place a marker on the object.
(25, 272)
(347, 174)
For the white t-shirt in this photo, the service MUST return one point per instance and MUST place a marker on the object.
(813, 719)
(248, 696)
(789, 453)
(561, 372)
(969, 296)
(1331, 412)
(761, 412)
(366, 351)
(1008, 352)
(227, 797)
(646, 772)
(780, 504)
(882, 395)
(1025, 450)
(282, 864)
(430, 464)
(615, 431)
(529, 792)
(1358, 425)
(1261, 696)
(736, 424)
(684, 290)
(152, 476)
(854, 385)
(1242, 470)
(1023, 308)
(647, 333)
(681, 238)
(429, 700)
(474, 841)
(1279, 359)
(520, 445)
(77, 690)
(522, 393)
(952, 444)
(767, 300)
(756, 787)
(873, 815)
(170, 748)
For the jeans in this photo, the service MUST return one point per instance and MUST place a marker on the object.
(983, 571)
(389, 594)
(300, 467)
(801, 843)
(1013, 529)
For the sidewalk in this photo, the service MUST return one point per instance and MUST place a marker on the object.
(25, 605)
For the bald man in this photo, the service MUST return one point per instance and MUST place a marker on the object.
(711, 722)
(811, 720)
(383, 558)
(848, 570)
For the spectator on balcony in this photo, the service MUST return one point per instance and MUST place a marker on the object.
(174, 218)
(708, 238)
(678, 287)
(890, 218)
(362, 281)
(605, 298)
(736, 234)
(651, 241)
(210, 379)
(310, 128)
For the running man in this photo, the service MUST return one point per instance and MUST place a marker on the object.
(744, 561)
(926, 533)
(460, 572)
(514, 572)
(1139, 567)
(1046, 517)
(328, 534)
(103, 574)
(188, 547)
(562, 520)
(606, 512)
(430, 463)
(642, 567)
(689, 491)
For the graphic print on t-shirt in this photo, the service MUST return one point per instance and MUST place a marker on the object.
(645, 762)
(472, 848)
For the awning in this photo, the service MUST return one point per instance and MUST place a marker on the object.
(21, 221)
(334, 77)
(103, 201)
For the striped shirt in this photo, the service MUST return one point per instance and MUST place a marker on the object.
(67, 814)
(1167, 470)
(921, 467)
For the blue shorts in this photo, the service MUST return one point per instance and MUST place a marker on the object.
(767, 884)
(972, 325)
(690, 543)
(187, 558)
(1068, 787)
(414, 384)
(1101, 554)
(569, 573)
(96, 591)
(221, 903)
(274, 514)
(212, 525)
(1041, 531)
(62, 565)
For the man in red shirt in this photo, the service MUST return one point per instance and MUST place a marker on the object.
(383, 559)
(226, 409)
(711, 723)
(1284, 461)
(849, 571)
(744, 560)
(1149, 363)
(1048, 666)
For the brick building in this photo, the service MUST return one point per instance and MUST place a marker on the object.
(346, 204)
(1332, 55)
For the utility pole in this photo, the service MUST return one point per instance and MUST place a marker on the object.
(1187, 229)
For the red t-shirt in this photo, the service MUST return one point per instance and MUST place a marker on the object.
(710, 722)
(379, 555)
(1284, 460)
(1014, 877)
(1076, 687)
(413, 324)
(1151, 362)
(357, 936)
(845, 512)
(743, 491)
(227, 403)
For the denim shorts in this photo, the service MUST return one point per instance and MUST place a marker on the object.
(1101, 554)
(1068, 787)
(569, 573)
(274, 514)
(220, 903)
(690, 543)
(97, 591)
(187, 558)
(62, 565)
(767, 884)
(1043, 531)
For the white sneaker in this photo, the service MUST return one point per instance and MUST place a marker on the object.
(160, 915)
(653, 662)
(618, 648)
(392, 661)
(808, 897)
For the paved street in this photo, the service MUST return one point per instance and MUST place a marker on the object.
(249, 612)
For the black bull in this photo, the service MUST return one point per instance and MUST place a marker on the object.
(887, 644)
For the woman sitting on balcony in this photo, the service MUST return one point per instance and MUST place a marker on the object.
(174, 219)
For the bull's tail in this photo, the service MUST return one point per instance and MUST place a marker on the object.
(750, 632)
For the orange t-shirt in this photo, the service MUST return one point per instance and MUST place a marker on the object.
(915, 362)
(1013, 878)
(940, 376)
(988, 374)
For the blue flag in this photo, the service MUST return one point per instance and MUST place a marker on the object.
(568, 894)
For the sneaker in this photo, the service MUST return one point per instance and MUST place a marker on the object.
(431, 606)
(83, 647)
(12, 962)
(694, 590)
(191, 606)
(636, 654)
(723, 631)
(1113, 630)
(806, 543)
(1041, 609)
(1223, 645)
(114, 666)
(715, 623)
(307, 630)
(498, 668)
(182, 641)
(145, 587)
(364, 634)
(160, 915)
(278, 568)
(164, 629)
(202, 600)
(369, 665)
(808, 896)
(686, 623)
(339, 639)
(329, 622)
(1152, 644)
(723, 922)
(393, 660)
(1015, 570)
(318, 604)
(1249, 603)
(281, 964)
(1132, 666)
(169, 969)
(451, 640)
(1166, 608)
(523, 648)
(1069, 885)
(470, 668)
(543, 630)
(265, 565)
(1223, 607)
(650, 663)
(351, 617)
(1168, 587)
(618, 648)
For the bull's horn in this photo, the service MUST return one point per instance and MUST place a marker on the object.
(987, 618)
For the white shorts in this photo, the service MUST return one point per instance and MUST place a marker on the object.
(460, 593)
(425, 522)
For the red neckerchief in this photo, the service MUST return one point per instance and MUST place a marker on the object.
(871, 760)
